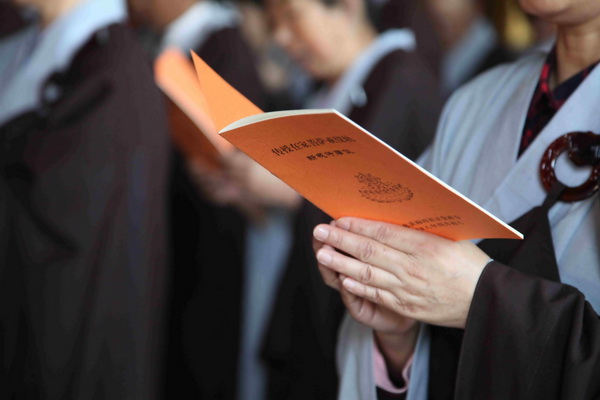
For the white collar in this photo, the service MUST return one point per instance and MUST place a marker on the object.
(55, 48)
(348, 91)
(191, 29)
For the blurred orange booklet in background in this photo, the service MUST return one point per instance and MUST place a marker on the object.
(192, 127)
(341, 168)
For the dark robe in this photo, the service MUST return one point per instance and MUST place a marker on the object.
(520, 292)
(413, 14)
(402, 109)
(82, 231)
(208, 256)
(10, 19)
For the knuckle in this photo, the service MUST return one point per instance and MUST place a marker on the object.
(366, 274)
(377, 296)
(382, 233)
(367, 251)
(398, 303)
(427, 248)
(403, 307)
(419, 245)
(413, 270)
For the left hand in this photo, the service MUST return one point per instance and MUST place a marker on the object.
(258, 184)
(214, 184)
(217, 186)
(416, 274)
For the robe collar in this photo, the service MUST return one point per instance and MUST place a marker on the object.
(546, 101)
(192, 28)
(348, 91)
(51, 51)
(518, 187)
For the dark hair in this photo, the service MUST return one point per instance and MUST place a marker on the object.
(372, 8)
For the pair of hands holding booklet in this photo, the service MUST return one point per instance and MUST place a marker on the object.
(390, 277)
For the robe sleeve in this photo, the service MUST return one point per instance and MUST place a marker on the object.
(528, 337)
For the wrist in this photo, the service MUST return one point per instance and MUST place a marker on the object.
(397, 348)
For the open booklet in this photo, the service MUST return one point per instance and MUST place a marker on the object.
(341, 168)
(191, 124)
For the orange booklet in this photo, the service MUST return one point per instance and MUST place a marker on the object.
(342, 168)
(191, 124)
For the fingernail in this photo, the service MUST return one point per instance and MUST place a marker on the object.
(349, 284)
(343, 224)
(321, 233)
(324, 257)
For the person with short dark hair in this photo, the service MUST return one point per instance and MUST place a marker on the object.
(207, 238)
(379, 82)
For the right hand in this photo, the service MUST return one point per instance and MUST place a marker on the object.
(375, 316)
(396, 335)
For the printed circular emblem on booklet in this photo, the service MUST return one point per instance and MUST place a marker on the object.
(379, 191)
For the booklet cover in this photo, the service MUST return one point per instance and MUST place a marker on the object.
(191, 124)
(341, 168)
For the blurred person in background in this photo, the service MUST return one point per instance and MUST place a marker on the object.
(287, 86)
(83, 145)
(379, 82)
(469, 38)
(207, 236)
(477, 35)
(414, 14)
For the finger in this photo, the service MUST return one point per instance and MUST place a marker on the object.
(406, 304)
(237, 165)
(358, 270)
(347, 297)
(233, 158)
(395, 236)
(354, 304)
(318, 245)
(359, 308)
(330, 277)
(365, 249)
(196, 167)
